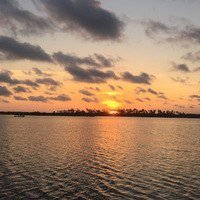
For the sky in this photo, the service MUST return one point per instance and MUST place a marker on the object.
(99, 54)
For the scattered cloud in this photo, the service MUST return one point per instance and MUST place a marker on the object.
(90, 75)
(30, 83)
(180, 67)
(152, 91)
(39, 72)
(143, 78)
(112, 87)
(20, 89)
(62, 97)
(75, 15)
(15, 50)
(138, 99)
(38, 99)
(180, 80)
(147, 98)
(193, 57)
(85, 92)
(89, 100)
(197, 97)
(139, 90)
(18, 98)
(4, 91)
(48, 81)
(127, 101)
(120, 87)
(5, 77)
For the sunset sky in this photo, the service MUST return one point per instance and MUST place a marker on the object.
(107, 54)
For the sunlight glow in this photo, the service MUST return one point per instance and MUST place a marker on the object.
(112, 104)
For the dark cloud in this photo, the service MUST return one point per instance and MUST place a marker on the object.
(152, 91)
(14, 19)
(91, 88)
(180, 67)
(18, 98)
(197, 97)
(38, 99)
(47, 81)
(14, 50)
(39, 72)
(84, 16)
(87, 93)
(20, 89)
(138, 99)
(62, 97)
(89, 100)
(139, 90)
(112, 87)
(90, 75)
(5, 77)
(97, 60)
(30, 83)
(4, 91)
(104, 62)
(143, 78)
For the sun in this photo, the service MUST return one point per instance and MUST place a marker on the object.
(113, 112)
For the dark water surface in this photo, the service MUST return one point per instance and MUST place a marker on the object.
(99, 158)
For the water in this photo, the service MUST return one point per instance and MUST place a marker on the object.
(99, 158)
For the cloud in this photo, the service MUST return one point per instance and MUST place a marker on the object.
(30, 83)
(193, 57)
(62, 97)
(90, 75)
(180, 67)
(85, 92)
(20, 89)
(4, 101)
(179, 80)
(38, 99)
(112, 87)
(197, 97)
(16, 20)
(47, 81)
(18, 98)
(120, 87)
(97, 60)
(163, 97)
(138, 99)
(4, 91)
(39, 72)
(154, 27)
(127, 101)
(139, 90)
(14, 50)
(152, 91)
(89, 100)
(91, 88)
(189, 33)
(147, 98)
(5, 77)
(143, 78)
(84, 17)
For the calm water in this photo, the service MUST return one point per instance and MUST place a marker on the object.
(99, 158)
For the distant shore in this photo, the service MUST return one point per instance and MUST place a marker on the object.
(92, 114)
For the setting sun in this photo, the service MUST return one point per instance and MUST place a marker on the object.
(113, 112)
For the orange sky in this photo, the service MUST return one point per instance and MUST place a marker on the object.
(102, 55)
